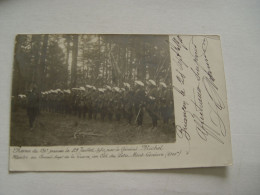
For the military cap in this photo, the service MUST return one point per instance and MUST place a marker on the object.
(82, 89)
(140, 83)
(163, 84)
(126, 85)
(152, 82)
(108, 87)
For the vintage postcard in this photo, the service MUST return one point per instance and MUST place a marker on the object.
(93, 102)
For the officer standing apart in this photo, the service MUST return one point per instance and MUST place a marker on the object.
(32, 106)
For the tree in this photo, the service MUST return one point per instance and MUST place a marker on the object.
(56, 67)
(42, 65)
(74, 61)
(61, 61)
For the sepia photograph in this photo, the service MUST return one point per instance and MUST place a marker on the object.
(73, 89)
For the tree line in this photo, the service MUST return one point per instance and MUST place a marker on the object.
(50, 61)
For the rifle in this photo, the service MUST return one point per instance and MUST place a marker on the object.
(137, 115)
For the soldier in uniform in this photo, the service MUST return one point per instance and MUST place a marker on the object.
(67, 101)
(117, 104)
(102, 104)
(81, 102)
(41, 101)
(32, 106)
(56, 101)
(44, 101)
(128, 103)
(109, 102)
(52, 101)
(169, 103)
(166, 98)
(70, 102)
(59, 101)
(90, 102)
(152, 103)
(85, 104)
(73, 101)
(139, 98)
(63, 103)
(95, 102)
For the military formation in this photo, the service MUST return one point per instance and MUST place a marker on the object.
(127, 103)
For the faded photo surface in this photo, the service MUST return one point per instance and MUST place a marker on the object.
(92, 90)
(118, 102)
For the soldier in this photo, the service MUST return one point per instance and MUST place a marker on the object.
(69, 102)
(102, 104)
(128, 102)
(66, 101)
(32, 106)
(41, 101)
(139, 102)
(169, 103)
(152, 103)
(59, 101)
(90, 102)
(118, 107)
(81, 102)
(109, 102)
(166, 98)
(85, 104)
(44, 101)
(95, 102)
(56, 101)
(74, 101)
(62, 103)
(50, 97)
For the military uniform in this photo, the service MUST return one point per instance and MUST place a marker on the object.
(118, 106)
(80, 105)
(32, 107)
(110, 106)
(102, 106)
(95, 104)
(129, 106)
(139, 105)
(152, 106)
(166, 107)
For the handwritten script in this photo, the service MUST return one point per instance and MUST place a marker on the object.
(196, 88)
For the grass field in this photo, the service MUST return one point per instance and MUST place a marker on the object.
(52, 129)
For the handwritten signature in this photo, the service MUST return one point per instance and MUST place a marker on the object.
(212, 91)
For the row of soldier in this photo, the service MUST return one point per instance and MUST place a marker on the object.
(110, 103)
